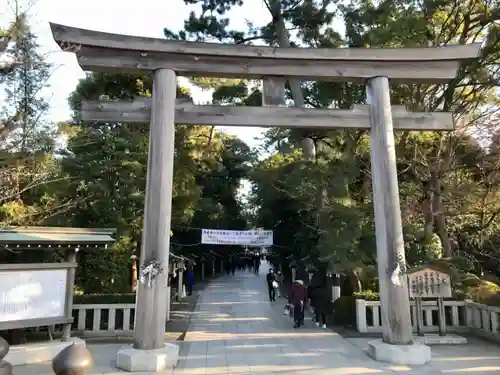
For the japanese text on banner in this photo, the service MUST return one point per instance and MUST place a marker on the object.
(237, 237)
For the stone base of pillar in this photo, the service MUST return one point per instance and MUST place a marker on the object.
(416, 354)
(157, 360)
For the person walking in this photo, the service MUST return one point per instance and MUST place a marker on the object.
(271, 280)
(249, 263)
(298, 294)
(256, 264)
(322, 299)
(190, 281)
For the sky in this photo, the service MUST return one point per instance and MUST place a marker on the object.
(145, 18)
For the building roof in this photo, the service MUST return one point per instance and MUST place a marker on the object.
(44, 237)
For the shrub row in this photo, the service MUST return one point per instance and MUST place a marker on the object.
(97, 299)
(344, 308)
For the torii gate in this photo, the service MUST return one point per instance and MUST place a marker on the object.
(98, 51)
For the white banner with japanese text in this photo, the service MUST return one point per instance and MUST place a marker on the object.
(237, 237)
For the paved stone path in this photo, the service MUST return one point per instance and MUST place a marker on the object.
(236, 330)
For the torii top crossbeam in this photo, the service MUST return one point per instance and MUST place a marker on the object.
(99, 51)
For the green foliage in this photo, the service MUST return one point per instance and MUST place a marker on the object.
(107, 163)
(344, 308)
(98, 179)
(96, 299)
(492, 300)
(28, 170)
(23, 106)
(484, 292)
(367, 295)
(321, 208)
(449, 183)
(344, 311)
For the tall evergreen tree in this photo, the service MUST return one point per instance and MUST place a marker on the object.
(27, 138)
(24, 105)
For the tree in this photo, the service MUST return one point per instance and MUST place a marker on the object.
(27, 163)
(447, 180)
(15, 30)
(306, 19)
(441, 23)
(106, 165)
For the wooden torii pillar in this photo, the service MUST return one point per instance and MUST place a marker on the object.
(99, 51)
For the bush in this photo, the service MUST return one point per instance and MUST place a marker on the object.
(107, 271)
(97, 299)
(367, 295)
(470, 280)
(483, 292)
(486, 291)
(493, 300)
(344, 308)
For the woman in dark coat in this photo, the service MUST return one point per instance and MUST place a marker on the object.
(321, 303)
(297, 296)
(320, 297)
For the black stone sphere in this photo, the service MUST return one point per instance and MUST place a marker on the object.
(5, 367)
(4, 347)
(72, 360)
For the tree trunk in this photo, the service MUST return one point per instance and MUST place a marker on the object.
(355, 281)
(307, 144)
(440, 220)
(133, 270)
(428, 208)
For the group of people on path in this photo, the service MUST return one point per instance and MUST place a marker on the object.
(316, 292)
(249, 263)
(230, 267)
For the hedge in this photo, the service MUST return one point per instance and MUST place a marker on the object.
(344, 308)
(97, 299)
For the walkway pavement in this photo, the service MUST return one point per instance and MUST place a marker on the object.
(235, 330)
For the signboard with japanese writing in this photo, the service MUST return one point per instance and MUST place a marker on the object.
(237, 237)
(32, 294)
(429, 283)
